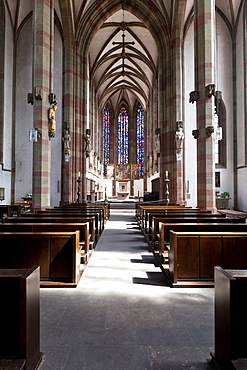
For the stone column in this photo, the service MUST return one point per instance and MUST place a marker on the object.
(81, 121)
(177, 184)
(43, 28)
(67, 185)
(204, 84)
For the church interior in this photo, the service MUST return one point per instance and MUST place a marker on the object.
(123, 161)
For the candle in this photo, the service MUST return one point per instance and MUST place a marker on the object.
(166, 173)
(79, 174)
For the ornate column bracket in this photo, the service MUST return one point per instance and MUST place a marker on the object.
(195, 133)
(209, 130)
(194, 96)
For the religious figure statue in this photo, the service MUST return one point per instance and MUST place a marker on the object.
(88, 148)
(156, 152)
(66, 140)
(52, 120)
(179, 139)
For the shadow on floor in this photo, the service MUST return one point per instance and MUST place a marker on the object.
(154, 278)
(146, 259)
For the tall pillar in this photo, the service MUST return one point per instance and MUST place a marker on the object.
(68, 103)
(81, 123)
(204, 85)
(177, 184)
(43, 29)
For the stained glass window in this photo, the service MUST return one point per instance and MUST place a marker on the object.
(123, 137)
(140, 138)
(106, 139)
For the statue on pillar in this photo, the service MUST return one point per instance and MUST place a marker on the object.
(179, 138)
(52, 120)
(88, 148)
(156, 150)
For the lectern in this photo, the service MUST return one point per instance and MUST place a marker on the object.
(20, 317)
(230, 317)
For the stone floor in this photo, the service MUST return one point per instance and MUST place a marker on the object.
(123, 315)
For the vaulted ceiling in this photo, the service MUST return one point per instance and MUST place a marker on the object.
(121, 70)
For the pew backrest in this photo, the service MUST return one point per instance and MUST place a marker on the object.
(193, 255)
(57, 253)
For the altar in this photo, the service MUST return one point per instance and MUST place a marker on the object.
(123, 191)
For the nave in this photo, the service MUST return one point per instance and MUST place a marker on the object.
(123, 314)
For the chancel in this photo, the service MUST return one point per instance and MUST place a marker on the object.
(123, 169)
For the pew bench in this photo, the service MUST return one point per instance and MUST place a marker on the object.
(98, 205)
(99, 225)
(165, 228)
(154, 232)
(191, 213)
(85, 242)
(141, 208)
(193, 255)
(42, 219)
(98, 213)
(57, 253)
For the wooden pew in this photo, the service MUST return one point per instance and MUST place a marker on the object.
(99, 223)
(90, 211)
(183, 213)
(93, 231)
(57, 253)
(142, 210)
(10, 210)
(165, 228)
(85, 242)
(193, 255)
(213, 219)
(105, 206)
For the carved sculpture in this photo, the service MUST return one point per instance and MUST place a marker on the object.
(210, 90)
(179, 138)
(156, 152)
(52, 121)
(66, 141)
(88, 148)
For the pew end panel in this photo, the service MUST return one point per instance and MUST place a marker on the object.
(193, 255)
(57, 253)
(183, 258)
(230, 318)
(20, 318)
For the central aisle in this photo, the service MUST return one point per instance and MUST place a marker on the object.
(123, 315)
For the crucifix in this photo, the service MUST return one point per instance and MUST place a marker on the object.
(123, 44)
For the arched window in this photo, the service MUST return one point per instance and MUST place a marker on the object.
(123, 137)
(106, 139)
(140, 138)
